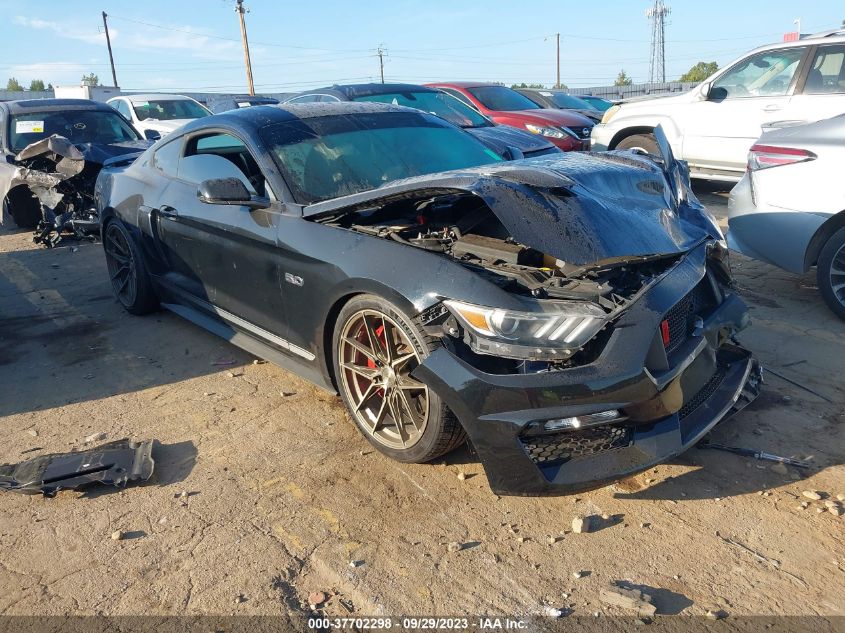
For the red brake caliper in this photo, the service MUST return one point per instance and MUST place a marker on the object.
(370, 363)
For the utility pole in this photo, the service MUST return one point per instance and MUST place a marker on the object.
(657, 67)
(240, 10)
(108, 43)
(380, 54)
(557, 85)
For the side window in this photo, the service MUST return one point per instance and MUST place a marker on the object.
(123, 108)
(220, 155)
(827, 72)
(303, 99)
(460, 96)
(166, 158)
(762, 75)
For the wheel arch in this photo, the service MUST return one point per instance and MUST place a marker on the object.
(621, 135)
(820, 238)
(352, 289)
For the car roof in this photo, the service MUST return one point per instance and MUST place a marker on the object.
(151, 96)
(352, 91)
(262, 115)
(465, 84)
(53, 105)
(834, 36)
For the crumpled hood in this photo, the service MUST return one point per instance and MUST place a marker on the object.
(583, 209)
(500, 137)
(99, 153)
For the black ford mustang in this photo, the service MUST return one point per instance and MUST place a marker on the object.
(572, 315)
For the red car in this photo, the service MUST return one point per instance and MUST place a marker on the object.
(568, 130)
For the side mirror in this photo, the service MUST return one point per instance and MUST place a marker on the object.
(152, 135)
(230, 191)
(704, 90)
(512, 153)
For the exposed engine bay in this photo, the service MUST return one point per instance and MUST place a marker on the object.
(52, 188)
(463, 226)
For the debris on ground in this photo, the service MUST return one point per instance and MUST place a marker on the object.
(454, 546)
(33, 432)
(552, 612)
(317, 598)
(716, 614)
(577, 574)
(95, 437)
(812, 494)
(750, 452)
(582, 524)
(116, 535)
(356, 563)
(240, 598)
(462, 476)
(115, 463)
(632, 599)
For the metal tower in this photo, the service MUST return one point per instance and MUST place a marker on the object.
(657, 14)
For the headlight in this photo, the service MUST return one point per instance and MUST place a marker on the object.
(610, 113)
(552, 132)
(557, 331)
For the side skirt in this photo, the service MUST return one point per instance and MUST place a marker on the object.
(253, 345)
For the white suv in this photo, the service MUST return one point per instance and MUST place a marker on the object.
(713, 125)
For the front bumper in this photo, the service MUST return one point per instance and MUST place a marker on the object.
(669, 407)
(600, 138)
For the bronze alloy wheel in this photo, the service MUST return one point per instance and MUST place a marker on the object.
(376, 358)
(121, 264)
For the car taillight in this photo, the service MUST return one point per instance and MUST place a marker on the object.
(765, 156)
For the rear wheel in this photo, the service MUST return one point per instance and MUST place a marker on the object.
(830, 273)
(644, 142)
(127, 271)
(375, 348)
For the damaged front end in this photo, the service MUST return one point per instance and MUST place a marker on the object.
(613, 344)
(53, 181)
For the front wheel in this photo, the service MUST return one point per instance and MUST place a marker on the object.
(830, 273)
(375, 349)
(643, 142)
(127, 271)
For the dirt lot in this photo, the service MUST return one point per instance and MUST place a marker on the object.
(283, 492)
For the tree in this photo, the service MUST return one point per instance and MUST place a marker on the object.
(700, 72)
(37, 85)
(90, 80)
(14, 85)
(622, 79)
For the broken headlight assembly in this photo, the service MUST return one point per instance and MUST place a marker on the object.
(555, 332)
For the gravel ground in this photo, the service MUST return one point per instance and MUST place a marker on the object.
(283, 493)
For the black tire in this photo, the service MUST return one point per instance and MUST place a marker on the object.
(130, 281)
(441, 432)
(645, 142)
(830, 273)
(22, 207)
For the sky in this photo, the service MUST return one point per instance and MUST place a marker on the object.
(194, 45)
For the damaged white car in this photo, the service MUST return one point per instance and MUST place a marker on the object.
(52, 151)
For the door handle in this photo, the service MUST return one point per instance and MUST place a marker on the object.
(168, 212)
(772, 107)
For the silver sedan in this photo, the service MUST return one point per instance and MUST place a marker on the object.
(789, 207)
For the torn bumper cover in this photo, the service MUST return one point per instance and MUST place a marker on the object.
(115, 463)
(666, 397)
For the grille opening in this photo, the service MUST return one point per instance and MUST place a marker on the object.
(556, 448)
(681, 316)
(703, 394)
